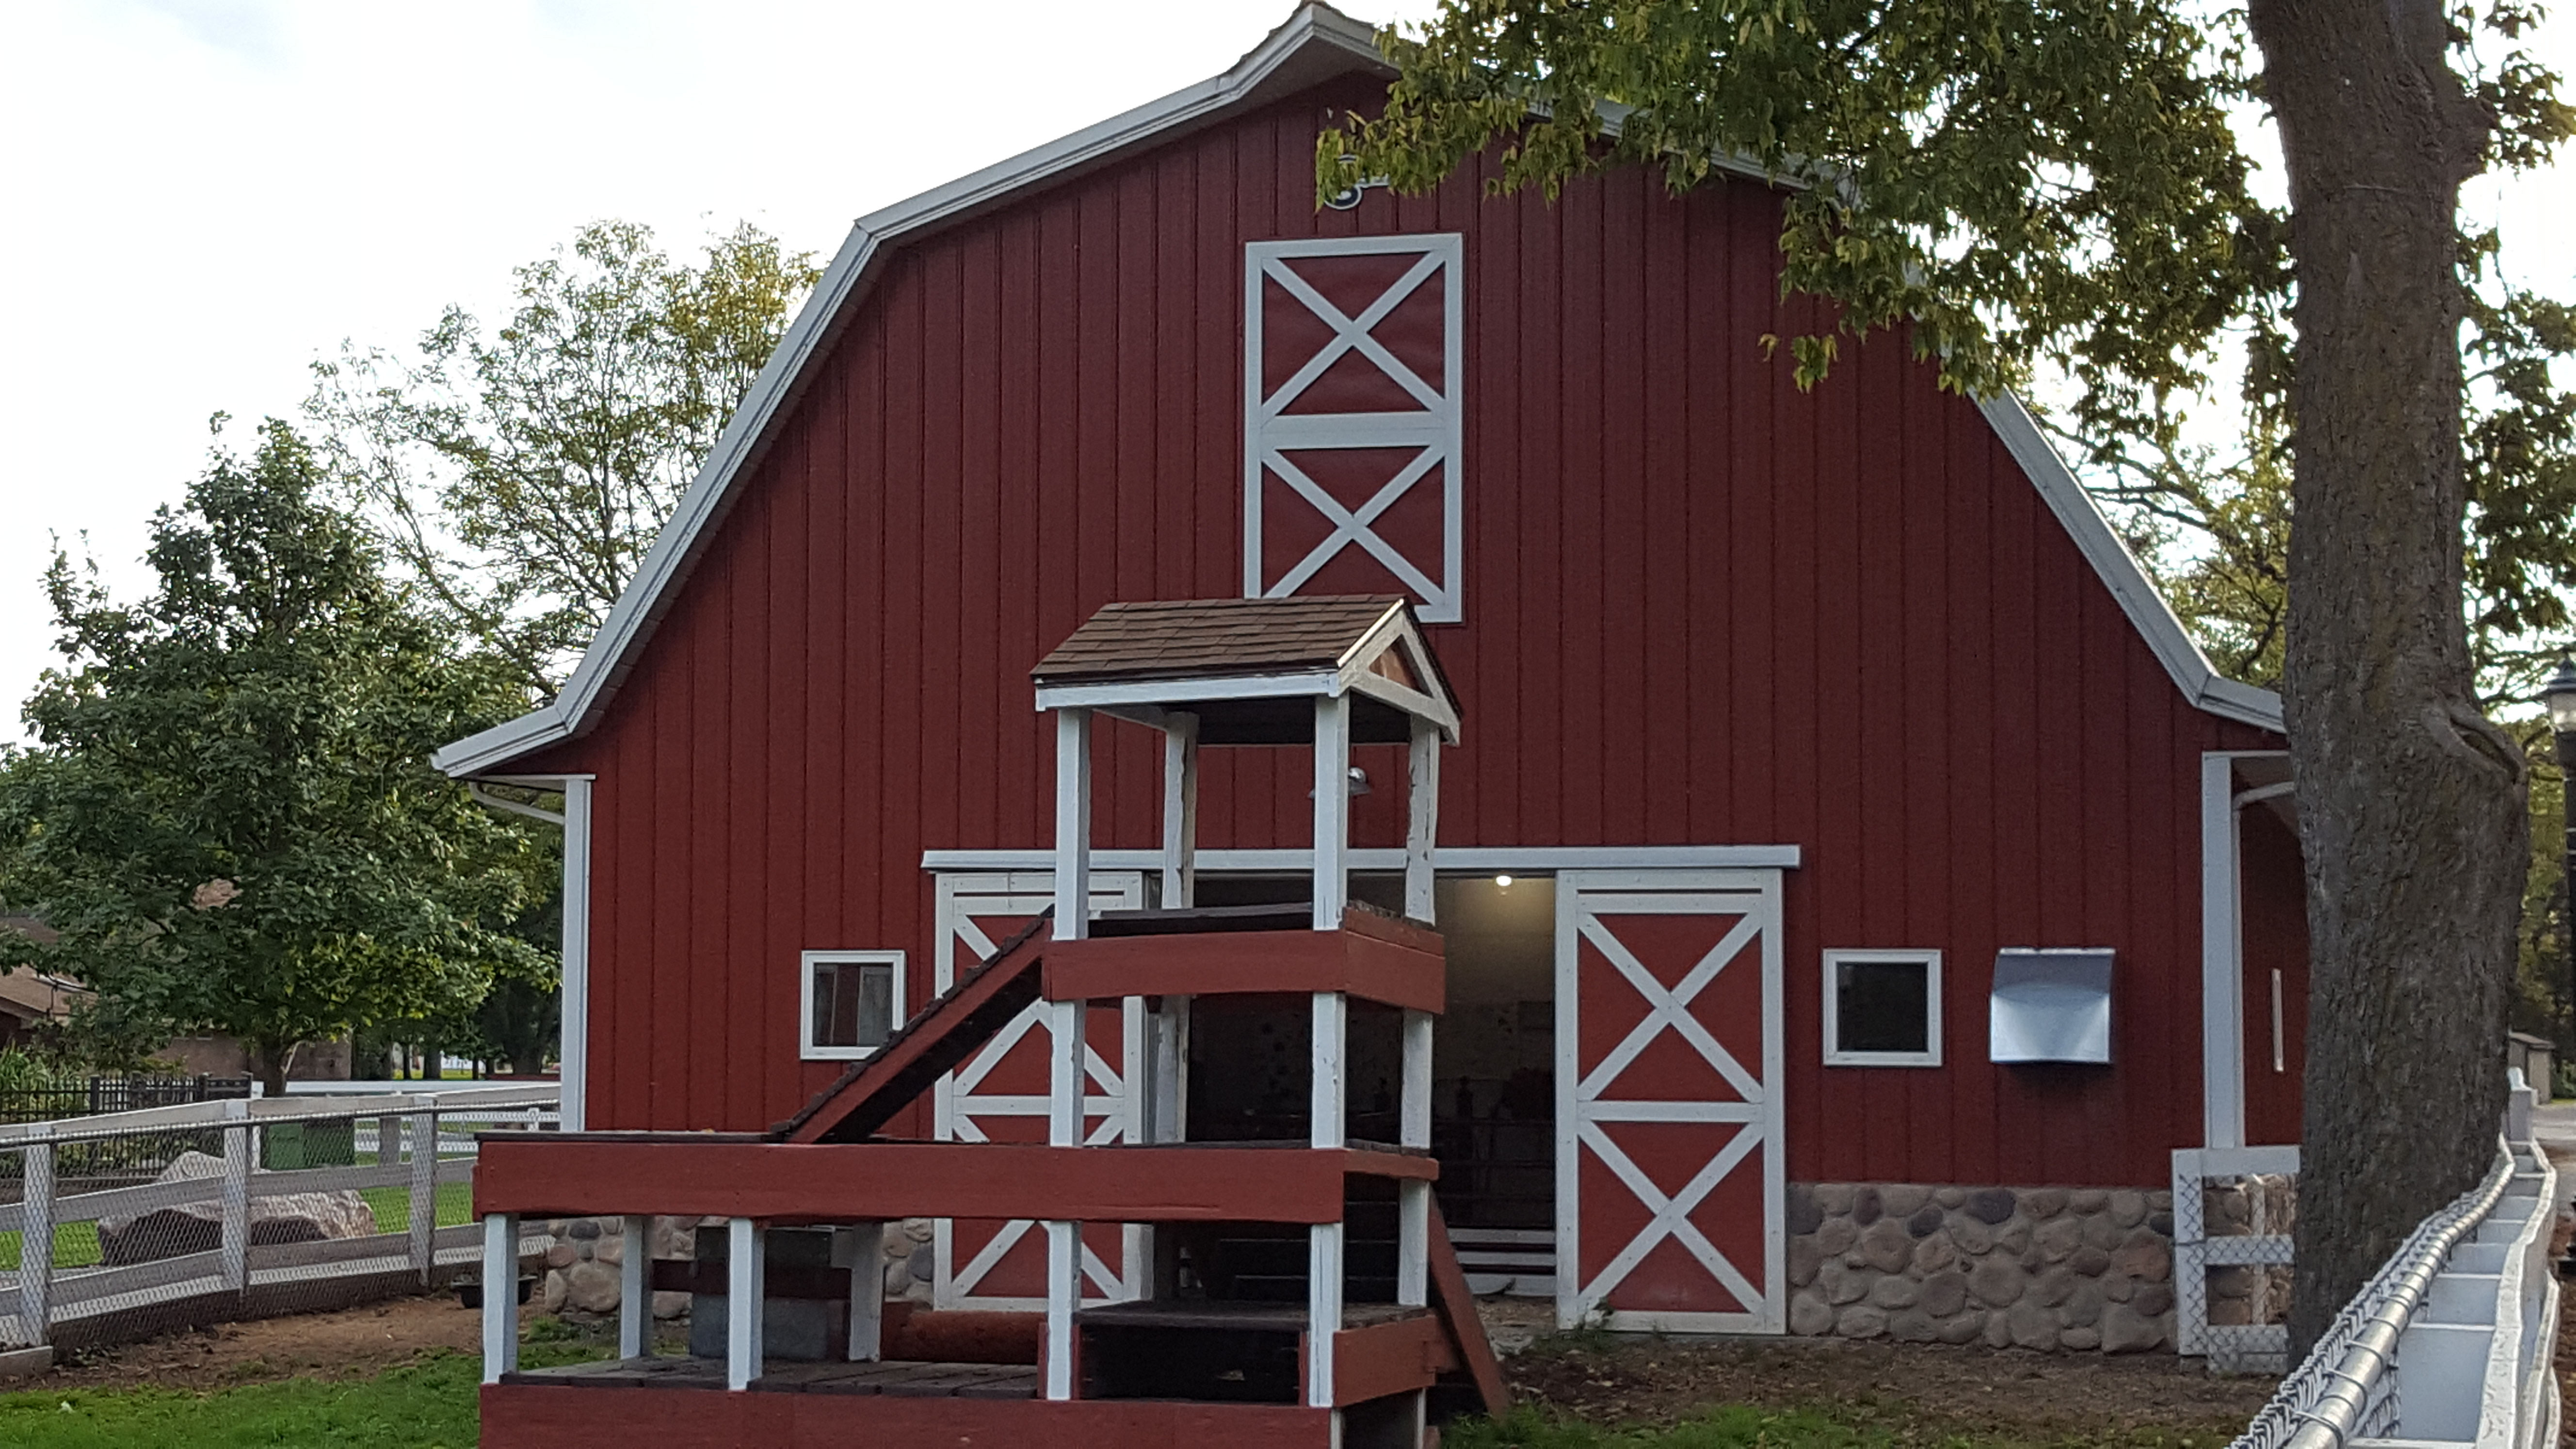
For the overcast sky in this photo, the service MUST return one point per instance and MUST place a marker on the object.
(206, 195)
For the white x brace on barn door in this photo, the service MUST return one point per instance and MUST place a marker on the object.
(1000, 1095)
(1670, 1178)
(1353, 350)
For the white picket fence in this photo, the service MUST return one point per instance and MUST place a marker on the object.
(401, 1148)
(2452, 1341)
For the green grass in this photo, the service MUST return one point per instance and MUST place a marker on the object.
(429, 1405)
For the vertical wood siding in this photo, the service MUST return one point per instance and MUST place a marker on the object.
(1702, 607)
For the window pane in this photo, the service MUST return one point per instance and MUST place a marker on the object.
(1881, 1006)
(853, 1003)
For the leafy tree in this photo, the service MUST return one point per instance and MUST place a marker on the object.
(2007, 181)
(519, 476)
(229, 815)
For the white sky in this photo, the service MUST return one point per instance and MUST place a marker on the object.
(206, 195)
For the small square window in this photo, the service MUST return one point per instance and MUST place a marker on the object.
(1882, 1008)
(852, 1002)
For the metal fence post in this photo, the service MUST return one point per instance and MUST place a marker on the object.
(424, 1192)
(237, 1169)
(36, 1246)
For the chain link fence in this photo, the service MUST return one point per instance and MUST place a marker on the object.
(130, 1224)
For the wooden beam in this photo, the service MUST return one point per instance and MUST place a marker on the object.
(1180, 810)
(1332, 809)
(746, 1258)
(1360, 964)
(1072, 824)
(851, 1182)
(1389, 1358)
(1422, 819)
(500, 1295)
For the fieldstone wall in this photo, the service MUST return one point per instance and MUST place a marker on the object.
(582, 1262)
(2048, 1268)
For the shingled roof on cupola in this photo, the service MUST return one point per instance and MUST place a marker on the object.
(1248, 667)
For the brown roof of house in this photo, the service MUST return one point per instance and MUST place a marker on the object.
(1213, 638)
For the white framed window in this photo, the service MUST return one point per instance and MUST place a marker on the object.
(850, 1002)
(1882, 1008)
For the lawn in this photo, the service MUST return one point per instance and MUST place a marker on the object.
(428, 1405)
(432, 1404)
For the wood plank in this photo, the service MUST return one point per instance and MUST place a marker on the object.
(1357, 964)
(890, 1180)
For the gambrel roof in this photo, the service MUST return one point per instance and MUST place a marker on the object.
(1317, 44)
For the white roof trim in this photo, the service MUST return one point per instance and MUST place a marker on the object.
(610, 655)
(2148, 612)
(607, 660)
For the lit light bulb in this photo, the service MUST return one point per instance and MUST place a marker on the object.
(1503, 881)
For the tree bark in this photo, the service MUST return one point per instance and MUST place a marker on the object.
(2411, 803)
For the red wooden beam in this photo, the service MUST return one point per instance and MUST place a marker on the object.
(1389, 1358)
(596, 1173)
(1371, 964)
(1466, 1330)
(542, 1416)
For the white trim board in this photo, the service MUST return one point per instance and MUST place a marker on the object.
(1459, 859)
(1316, 44)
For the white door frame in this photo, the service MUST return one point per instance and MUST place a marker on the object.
(1755, 895)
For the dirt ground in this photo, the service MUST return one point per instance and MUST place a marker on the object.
(353, 1343)
(1931, 1387)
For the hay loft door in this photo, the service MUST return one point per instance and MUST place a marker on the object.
(1670, 1176)
(1000, 1095)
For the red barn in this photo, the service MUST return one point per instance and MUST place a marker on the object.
(1850, 869)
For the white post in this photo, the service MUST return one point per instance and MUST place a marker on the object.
(861, 1249)
(573, 1051)
(1324, 1240)
(238, 1150)
(2222, 974)
(1323, 1309)
(1412, 1198)
(1422, 819)
(1180, 810)
(36, 1244)
(635, 1289)
(1072, 824)
(746, 1264)
(424, 1191)
(500, 1296)
(1064, 1295)
(1332, 809)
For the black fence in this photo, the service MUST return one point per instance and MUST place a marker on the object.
(115, 1094)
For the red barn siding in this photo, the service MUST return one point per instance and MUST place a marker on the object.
(1702, 607)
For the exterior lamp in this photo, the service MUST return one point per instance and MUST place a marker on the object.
(2560, 695)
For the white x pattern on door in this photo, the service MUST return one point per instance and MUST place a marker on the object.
(1732, 1129)
(962, 1113)
(1410, 412)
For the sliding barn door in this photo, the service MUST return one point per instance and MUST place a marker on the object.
(1000, 1095)
(1670, 1178)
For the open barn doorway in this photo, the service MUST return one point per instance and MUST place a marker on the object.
(1493, 1120)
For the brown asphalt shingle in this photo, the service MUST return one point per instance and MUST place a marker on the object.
(1212, 638)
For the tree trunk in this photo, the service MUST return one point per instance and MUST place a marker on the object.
(272, 1059)
(2410, 803)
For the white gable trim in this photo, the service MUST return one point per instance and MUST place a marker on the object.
(1346, 45)
(610, 655)
(2154, 619)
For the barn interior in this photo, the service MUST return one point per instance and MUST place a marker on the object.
(1493, 1052)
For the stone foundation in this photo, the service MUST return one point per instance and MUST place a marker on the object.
(582, 1262)
(2054, 1269)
